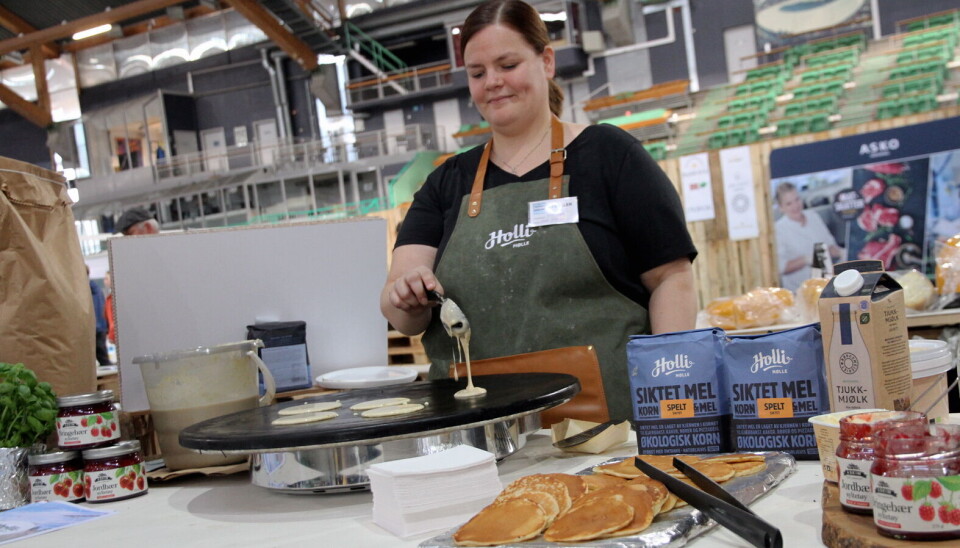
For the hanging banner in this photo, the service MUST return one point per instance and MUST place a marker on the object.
(739, 196)
(697, 187)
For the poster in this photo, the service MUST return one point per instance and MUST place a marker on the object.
(739, 196)
(697, 187)
(890, 195)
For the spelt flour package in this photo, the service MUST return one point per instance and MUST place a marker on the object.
(775, 382)
(678, 406)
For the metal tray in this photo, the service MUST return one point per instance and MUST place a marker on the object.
(676, 527)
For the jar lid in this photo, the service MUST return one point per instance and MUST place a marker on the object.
(848, 282)
(85, 399)
(241, 346)
(929, 357)
(51, 458)
(122, 448)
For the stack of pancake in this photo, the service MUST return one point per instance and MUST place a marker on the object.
(616, 500)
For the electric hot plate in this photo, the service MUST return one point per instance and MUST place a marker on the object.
(333, 455)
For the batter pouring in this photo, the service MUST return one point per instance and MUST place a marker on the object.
(457, 326)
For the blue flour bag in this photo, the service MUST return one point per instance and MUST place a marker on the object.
(775, 382)
(678, 401)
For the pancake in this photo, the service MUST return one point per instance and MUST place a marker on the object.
(304, 419)
(591, 520)
(747, 468)
(373, 404)
(717, 471)
(547, 502)
(539, 483)
(622, 469)
(391, 410)
(502, 522)
(309, 408)
(643, 511)
(738, 457)
(599, 481)
(665, 462)
(575, 485)
(658, 491)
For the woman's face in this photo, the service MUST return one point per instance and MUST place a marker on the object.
(508, 78)
(791, 205)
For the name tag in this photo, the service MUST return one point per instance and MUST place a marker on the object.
(553, 212)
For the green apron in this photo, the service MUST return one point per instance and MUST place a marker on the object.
(527, 289)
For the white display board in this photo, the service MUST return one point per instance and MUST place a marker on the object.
(201, 288)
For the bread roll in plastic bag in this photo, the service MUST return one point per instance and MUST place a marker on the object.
(759, 307)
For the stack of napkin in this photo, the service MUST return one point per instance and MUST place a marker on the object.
(439, 491)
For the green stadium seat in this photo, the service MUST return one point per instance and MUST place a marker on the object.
(717, 140)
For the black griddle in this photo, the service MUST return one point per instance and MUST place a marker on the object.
(507, 396)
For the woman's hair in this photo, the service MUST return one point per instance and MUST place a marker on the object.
(782, 189)
(521, 17)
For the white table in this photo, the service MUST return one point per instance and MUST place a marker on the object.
(231, 512)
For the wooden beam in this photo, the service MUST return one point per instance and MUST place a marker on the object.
(40, 79)
(267, 22)
(15, 24)
(115, 15)
(21, 106)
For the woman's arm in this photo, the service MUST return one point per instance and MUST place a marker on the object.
(404, 301)
(673, 302)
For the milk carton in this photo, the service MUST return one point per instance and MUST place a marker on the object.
(865, 344)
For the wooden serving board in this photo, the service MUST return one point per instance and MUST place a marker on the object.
(845, 530)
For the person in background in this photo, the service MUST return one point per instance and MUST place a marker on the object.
(108, 308)
(103, 357)
(797, 232)
(614, 258)
(135, 222)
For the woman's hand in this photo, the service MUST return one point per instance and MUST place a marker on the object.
(404, 301)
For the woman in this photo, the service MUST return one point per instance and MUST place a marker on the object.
(619, 245)
(797, 232)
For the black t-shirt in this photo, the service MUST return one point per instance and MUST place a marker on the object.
(630, 213)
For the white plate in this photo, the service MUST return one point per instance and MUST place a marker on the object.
(367, 377)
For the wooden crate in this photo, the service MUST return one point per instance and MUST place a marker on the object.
(405, 350)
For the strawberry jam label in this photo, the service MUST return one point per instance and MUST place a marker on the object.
(855, 489)
(917, 505)
(65, 487)
(115, 484)
(85, 430)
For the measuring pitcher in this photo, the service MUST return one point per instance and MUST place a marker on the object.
(185, 387)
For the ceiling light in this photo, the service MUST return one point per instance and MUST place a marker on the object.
(92, 32)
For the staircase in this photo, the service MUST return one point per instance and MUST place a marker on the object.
(310, 21)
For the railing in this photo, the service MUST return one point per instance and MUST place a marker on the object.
(414, 79)
(188, 168)
(383, 58)
(339, 211)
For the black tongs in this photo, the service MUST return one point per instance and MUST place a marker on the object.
(716, 503)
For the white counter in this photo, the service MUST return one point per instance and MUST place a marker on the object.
(231, 512)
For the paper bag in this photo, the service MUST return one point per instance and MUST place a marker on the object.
(46, 309)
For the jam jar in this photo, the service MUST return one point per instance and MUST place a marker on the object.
(87, 421)
(855, 454)
(916, 480)
(55, 476)
(114, 473)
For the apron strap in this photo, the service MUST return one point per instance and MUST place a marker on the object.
(557, 155)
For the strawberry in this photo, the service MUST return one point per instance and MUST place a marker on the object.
(927, 512)
(140, 484)
(935, 490)
(99, 419)
(955, 516)
(77, 490)
(907, 491)
(95, 432)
